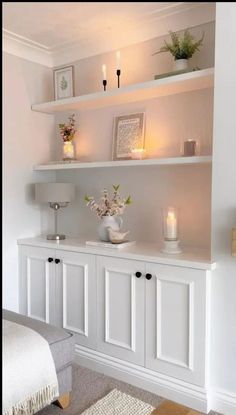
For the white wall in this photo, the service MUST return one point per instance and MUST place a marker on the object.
(27, 141)
(223, 348)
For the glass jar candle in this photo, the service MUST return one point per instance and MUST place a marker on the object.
(138, 153)
(68, 150)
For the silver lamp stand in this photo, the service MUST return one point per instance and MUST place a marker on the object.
(56, 236)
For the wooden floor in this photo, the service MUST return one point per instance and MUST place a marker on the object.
(171, 408)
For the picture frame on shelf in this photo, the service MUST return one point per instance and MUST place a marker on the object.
(63, 82)
(128, 134)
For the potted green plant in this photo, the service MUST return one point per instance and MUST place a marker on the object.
(182, 48)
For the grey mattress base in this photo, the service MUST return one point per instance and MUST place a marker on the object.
(61, 344)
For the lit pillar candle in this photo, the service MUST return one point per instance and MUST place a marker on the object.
(171, 225)
(118, 59)
(104, 72)
(138, 153)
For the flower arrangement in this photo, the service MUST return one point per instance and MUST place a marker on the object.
(108, 206)
(67, 131)
(181, 47)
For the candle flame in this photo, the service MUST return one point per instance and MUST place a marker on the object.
(171, 215)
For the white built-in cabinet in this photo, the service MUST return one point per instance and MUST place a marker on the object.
(153, 315)
(144, 313)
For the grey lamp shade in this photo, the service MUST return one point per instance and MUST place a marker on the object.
(54, 192)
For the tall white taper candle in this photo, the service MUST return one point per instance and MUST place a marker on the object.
(118, 59)
(104, 72)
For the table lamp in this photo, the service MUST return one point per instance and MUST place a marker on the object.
(58, 195)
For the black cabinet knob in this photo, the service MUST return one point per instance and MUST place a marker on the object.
(50, 259)
(57, 261)
(138, 274)
(148, 276)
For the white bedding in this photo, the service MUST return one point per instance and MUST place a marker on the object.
(29, 374)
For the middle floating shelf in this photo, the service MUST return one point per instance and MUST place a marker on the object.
(124, 163)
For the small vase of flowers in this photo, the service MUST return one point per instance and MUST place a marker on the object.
(182, 48)
(67, 132)
(108, 209)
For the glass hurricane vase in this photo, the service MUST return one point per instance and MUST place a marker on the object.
(68, 151)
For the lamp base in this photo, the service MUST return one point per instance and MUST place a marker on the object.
(56, 237)
(171, 247)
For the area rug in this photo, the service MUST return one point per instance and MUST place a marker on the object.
(119, 403)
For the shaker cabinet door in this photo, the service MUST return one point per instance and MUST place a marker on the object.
(121, 295)
(36, 283)
(176, 311)
(76, 288)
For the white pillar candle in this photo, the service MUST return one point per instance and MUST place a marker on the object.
(171, 225)
(118, 59)
(104, 72)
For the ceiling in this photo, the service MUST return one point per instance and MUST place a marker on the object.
(56, 28)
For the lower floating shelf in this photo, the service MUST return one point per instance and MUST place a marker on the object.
(123, 163)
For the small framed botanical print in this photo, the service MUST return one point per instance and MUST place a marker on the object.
(128, 134)
(64, 82)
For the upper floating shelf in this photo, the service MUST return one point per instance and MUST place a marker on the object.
(171, 85)
(124, 163)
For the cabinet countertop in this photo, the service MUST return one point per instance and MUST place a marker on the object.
(141, 251)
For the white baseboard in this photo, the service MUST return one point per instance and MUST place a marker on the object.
(223, 402)
(169, 388)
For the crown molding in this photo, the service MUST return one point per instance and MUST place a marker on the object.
(26, 49)
(154, 24)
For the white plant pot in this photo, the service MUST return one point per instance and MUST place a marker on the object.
(180, 64)
(113, 222)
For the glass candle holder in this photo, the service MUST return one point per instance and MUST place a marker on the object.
(170, 230)
(170, 224)
(68, 151)
(190, 148)
(138, 153)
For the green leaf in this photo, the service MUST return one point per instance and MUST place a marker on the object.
(87, 198)
(116, 187)
(128, 201)
(63, 83)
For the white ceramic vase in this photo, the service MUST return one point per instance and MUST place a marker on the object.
(180, 64)
(113, 222)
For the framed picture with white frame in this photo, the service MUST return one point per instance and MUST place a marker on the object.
(63, 82)
(128, 134)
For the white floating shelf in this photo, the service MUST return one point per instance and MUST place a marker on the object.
(124, 163)
(171, 85)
